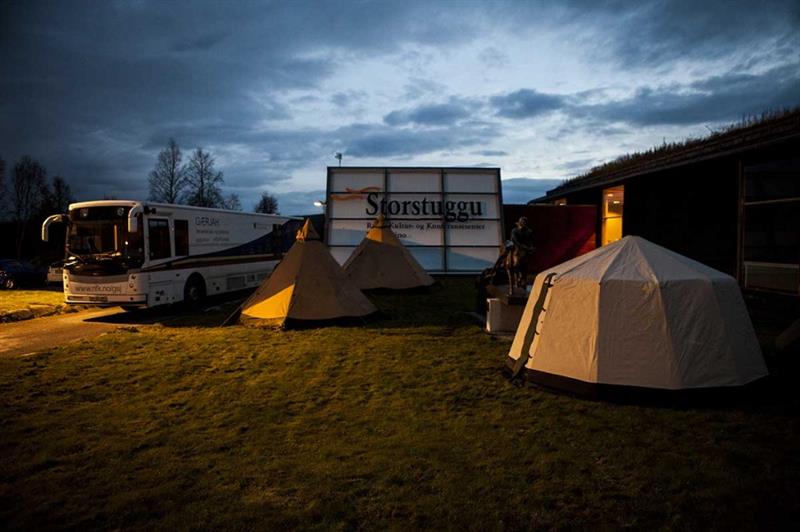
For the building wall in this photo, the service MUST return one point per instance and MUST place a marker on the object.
(737, 213)
(692, 210)
(560, 233)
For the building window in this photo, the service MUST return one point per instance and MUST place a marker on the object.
(181, 238)
(158, 229)
(770, 240)
(560, 201)
(613, 201)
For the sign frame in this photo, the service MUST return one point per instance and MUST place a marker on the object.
(442, 192)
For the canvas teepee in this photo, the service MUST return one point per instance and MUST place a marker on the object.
(308, 284)
(636, 314)
(382, 261)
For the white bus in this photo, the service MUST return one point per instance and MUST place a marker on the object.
(141, 254)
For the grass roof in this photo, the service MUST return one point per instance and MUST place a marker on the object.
(748, 132)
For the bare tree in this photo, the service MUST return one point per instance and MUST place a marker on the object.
(60, 195)
(2, 189)
(232, 202)
(168, 178)
(28, 181)
(45, 205)
(203, 181)
(268, 204)
(54, 197)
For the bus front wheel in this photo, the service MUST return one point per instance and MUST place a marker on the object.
(195, 290)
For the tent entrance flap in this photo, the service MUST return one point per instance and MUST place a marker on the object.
(531, 333)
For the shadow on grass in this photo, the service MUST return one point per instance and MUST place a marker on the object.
(442, 305)
(213, 312)
(773, 394)
(446, 304)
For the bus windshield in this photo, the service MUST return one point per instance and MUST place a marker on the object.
(92, 238)
(92, 234)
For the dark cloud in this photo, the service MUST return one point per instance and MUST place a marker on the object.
(684, 29)
(719, 98)
(526, 103)
(83, 84)
(490, 153)
(371, 140)
(203, 42)
(523, 189)
(715, 99)
(348, 98)
(442, 114)
(653, 34)
(577, 165)
(273, 155)
(94, 89)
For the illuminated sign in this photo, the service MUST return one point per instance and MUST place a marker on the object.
(449, 218)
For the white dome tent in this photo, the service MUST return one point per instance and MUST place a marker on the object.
(634, 314)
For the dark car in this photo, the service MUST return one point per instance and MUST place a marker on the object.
(15, 273)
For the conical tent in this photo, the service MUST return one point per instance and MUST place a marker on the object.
(308, 284)
(382, 261)
(636, 314)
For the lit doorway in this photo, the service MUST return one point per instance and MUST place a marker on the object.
(613, 201)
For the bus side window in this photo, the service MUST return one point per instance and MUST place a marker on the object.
(181, 238)
(159, 238)
(277, 239)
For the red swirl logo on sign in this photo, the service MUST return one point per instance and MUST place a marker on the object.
(354, 194)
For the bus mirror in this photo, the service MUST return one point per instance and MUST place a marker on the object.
(133, 221)
(46, 225)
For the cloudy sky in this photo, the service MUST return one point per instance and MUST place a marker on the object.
(544, 90)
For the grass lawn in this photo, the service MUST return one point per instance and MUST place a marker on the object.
(37, 302)
(404, 423)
